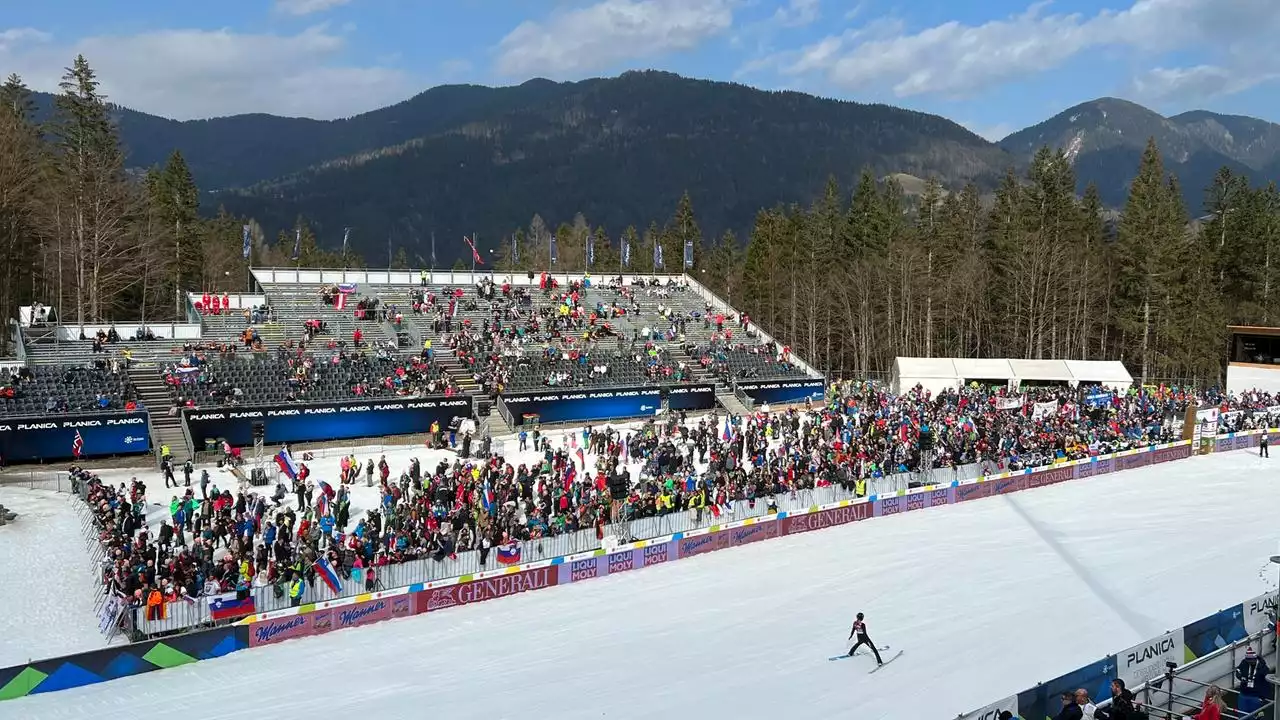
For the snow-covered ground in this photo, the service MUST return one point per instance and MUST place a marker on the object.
(986, 598)
(46, 605)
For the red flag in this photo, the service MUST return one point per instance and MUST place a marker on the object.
(77, 445)
(340, 302)
(475, 254)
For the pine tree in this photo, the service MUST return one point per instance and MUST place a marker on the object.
(1148, 237)
(684, 229)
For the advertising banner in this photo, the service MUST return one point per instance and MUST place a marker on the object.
(781, 392)
(1042, 701)
(656, 554)
(992, 711)
(1049, 477)
(975, 491)
(1095, 466)
(691, 397)
(1146, 661)
(1170, 453)
(280, 629)
(755, 532)
(475, 591)
(54, 437)
(1218, 630)
(701, 544)
(1259, 613)
(583, 405)
(1010, 484)
(318, 422)
(791, 525)
(1129, 462)
(889, 506)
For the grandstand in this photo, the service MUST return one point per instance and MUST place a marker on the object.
(357, 337)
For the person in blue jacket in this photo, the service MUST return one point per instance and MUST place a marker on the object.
(1252, 674)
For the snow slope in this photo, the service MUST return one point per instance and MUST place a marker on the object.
(46, 607)
(987, 598)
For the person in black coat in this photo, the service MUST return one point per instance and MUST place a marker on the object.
(1252, 675)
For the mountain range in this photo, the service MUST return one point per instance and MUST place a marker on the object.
(465, 159)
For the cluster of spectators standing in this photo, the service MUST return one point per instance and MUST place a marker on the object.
(220, 539)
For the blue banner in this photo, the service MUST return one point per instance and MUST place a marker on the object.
(244, 239)
(320, 422)
(688, 254)
(555, 255)
(626, 253)
(582, 405)
(1044, 700)
(53, 438)
(591, 251)
(781, 392)
(1216, 631)
(1098, 398)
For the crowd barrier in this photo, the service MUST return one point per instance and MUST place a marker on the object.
(586, 405)
(783, 392)
(1146, 661)
(322, 422)
(327, 616)
(42, 439)
(1201, 642)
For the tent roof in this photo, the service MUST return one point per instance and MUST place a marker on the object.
(912, 367)
(1042, 370)
(984, 369)
(1100, 371)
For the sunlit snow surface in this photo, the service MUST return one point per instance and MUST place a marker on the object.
(986, 598)
(46, 579)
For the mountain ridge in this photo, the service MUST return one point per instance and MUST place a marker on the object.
(469, 158)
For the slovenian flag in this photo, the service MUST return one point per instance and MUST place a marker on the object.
(509, 554)
(226, 607)
(286, 464)
(727, 435)
(325, 572)
(486, 497)
(346, 288)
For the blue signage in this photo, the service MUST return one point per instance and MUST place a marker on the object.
(320, 422)
(782, 392)
(589, 405)
(54, 438)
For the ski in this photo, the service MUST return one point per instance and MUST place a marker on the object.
(846, 656)
(886, 662)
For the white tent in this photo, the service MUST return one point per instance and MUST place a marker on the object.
(1033, 371)
(934, 374)
(1109, 373)
(985, 370)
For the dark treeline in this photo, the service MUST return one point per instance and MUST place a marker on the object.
(856, 278)
(98, 243)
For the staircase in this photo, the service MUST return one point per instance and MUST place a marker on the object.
(166, 429)
(453, 366)
(730, 402)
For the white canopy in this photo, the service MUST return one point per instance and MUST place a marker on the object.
(1042, 370)
(937, 374)
(1110, 373)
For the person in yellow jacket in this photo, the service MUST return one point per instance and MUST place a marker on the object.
(296, 589)
(860, 488)
(164, 453)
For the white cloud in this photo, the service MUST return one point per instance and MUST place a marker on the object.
(992, 133)
(15, 37)
(307, 7)
(956, 59)
(187, 74)
(1194, 84)
(599, 36)
(797, 13)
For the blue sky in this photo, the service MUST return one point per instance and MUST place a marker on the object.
(994, 66)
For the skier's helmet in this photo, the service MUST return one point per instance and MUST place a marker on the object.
(859, 616)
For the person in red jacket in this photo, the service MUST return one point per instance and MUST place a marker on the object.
(1213, 704)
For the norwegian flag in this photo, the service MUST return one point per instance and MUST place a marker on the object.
(77, 445)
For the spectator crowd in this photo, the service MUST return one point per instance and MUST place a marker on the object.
(223, 539)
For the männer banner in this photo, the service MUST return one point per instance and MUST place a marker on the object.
(54, 437)
(319, 422)
(582, 405)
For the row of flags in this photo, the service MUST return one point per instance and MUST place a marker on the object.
(659, 260)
